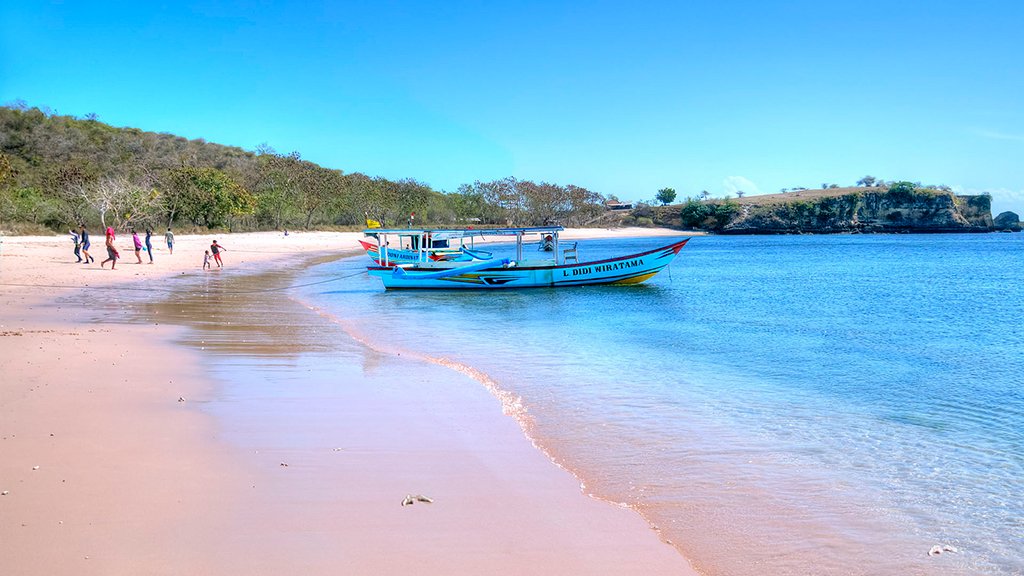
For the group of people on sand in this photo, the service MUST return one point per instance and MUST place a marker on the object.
(82, 243)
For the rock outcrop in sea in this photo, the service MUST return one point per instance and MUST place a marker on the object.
(1007, 221)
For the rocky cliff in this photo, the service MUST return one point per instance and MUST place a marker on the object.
(867, 212)
(862, 210)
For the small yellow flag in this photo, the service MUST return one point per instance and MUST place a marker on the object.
(372, 223)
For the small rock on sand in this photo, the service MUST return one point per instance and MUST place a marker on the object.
(939, 549)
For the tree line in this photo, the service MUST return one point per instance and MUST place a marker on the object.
(57, 171)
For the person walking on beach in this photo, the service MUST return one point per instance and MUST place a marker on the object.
(169, 238)
(216, 250)
(84, 237)
(149, 244)
(206, 260)
(138, 245)
(78, 245)
(112, 254)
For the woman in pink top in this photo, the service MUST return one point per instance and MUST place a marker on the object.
(138, 245)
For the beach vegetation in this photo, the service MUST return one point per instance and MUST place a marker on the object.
(58, 171)
(666, 196)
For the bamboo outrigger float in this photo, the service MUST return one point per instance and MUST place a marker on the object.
(413, 262)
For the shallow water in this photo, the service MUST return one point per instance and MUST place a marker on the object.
(783, 405)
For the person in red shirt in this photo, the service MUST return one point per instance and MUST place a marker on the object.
(216, 249)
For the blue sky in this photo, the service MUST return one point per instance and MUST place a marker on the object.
(620, 98)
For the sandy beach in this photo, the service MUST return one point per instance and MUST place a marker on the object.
(122, 453)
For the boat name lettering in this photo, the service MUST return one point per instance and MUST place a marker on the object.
(619, 265)
(604, 267)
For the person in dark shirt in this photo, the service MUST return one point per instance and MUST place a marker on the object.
(149, 244)
(83, 237)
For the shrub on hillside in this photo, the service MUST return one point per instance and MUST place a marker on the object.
(902, 191)
(708, 216)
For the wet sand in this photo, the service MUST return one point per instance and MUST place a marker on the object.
(291, 452)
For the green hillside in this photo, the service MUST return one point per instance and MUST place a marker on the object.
(56, 171)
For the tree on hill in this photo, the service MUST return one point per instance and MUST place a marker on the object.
(317, 187)
(65, 182)
(7, 209)
(207, 197)
(867, 181)
(121, 201)
(666, 196)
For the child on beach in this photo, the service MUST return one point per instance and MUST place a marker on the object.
(78, 245)
(112, 254)
(138, 245)
(169, 238)
(216, 250)
(206, 260)
(85, 244)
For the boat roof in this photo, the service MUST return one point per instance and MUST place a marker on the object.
(464, 232)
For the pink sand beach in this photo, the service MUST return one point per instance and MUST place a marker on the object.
(115, 459)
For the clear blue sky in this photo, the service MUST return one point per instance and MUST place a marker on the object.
(623, 99)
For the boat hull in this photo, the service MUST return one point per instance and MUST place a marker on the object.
(631, 269)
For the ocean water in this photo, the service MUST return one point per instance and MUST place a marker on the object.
(773, 405)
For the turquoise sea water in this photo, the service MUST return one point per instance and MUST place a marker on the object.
(774, 405)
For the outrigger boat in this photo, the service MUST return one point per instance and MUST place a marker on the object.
(425, 271)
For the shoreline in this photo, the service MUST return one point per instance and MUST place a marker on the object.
(165, 489)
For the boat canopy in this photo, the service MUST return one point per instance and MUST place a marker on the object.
(422, 240)
(449, 233)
